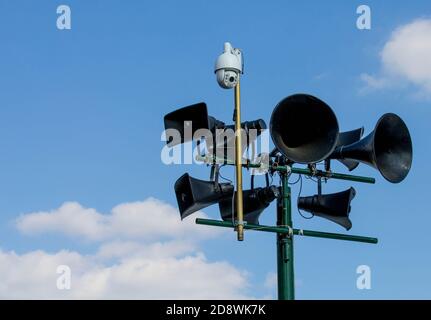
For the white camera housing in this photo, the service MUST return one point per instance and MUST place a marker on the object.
(228, 67)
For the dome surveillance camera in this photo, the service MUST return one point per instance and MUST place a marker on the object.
(228, 67)
(227, 79)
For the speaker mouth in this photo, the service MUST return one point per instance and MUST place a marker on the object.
(304, 128)
(393, 149)
(194, 116)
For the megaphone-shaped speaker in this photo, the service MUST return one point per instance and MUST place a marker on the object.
(186, 121)
(334, 206)
(304, 128)
(226, 143)
(347, 138)
(388, 149)
(195, 117)
(194, 194)
(255, 201)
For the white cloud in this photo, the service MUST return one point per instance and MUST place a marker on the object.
(71, 219)
(406, 57)
(33, 276)
(147, 220)
(144, 252)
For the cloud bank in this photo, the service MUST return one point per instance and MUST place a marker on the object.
(146, 220)
(144, 252)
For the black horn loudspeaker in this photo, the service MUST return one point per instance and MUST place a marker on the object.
(194, 116)
(388, 149)
(195, 194)
(304, 128)
(186, 121)
(255, 201)
(334, 206)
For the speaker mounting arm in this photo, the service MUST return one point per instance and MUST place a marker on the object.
(288, 169)
(328, 174)
(284, 230)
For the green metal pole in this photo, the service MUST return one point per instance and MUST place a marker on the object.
(285, 265)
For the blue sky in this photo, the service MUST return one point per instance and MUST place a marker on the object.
(81, 115)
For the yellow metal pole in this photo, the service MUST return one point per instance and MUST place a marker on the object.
(238, 163)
